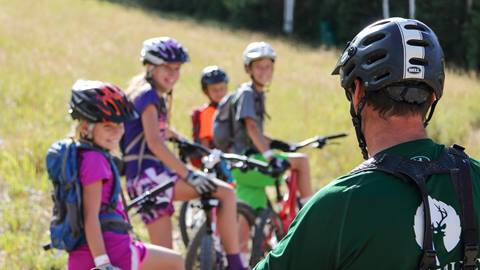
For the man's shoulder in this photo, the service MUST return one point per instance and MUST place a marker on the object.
(368, 183)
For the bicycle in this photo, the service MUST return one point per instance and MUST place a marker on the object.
(204, 250)
(271, 225)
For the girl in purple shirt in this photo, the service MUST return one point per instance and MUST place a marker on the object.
(149, 162)
(101, 109)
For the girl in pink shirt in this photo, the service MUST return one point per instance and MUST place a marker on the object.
(101, 109)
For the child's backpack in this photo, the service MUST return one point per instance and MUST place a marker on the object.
(225, 117)
(67, 225)
(195, 160)
(223, 122)
(196, 122)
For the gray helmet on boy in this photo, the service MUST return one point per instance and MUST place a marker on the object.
(392, 51)
(258, 50)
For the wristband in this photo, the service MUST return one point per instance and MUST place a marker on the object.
(101, 260)
(268, 154)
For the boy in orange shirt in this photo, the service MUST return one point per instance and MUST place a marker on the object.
(214, 85)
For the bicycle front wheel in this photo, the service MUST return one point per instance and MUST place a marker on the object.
(201, 254)
(190, 219)
(268, 232)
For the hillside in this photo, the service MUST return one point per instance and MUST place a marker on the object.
(46, 45)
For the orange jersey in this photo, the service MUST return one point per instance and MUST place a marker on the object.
(202, 120)
(206, 123)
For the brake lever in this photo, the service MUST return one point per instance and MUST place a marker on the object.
(320, 143)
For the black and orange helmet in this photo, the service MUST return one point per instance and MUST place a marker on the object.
(96, 101)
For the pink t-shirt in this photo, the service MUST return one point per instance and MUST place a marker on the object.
(121, 249)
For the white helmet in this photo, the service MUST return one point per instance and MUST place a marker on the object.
(257, 50)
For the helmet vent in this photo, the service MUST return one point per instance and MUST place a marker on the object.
(349, 69)
(380, 23)
(418, 42)
(373, 38)
(376, 56)
(381, 76)
(415, 27)
(418, 61)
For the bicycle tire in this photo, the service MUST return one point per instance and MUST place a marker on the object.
(188, 229)
(201, 253)
(268, 232)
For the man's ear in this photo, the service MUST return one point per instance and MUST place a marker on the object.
(357, 94)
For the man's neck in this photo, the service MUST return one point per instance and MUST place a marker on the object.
(381, 133)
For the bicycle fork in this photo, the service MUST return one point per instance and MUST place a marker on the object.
(289, 202)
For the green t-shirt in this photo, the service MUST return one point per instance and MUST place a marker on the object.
(372, 220)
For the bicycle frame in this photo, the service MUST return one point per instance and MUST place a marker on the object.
(288, 210)
(289, 202)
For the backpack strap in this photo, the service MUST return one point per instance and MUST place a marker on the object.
(399, 167)
(411, 172)
(139, 139)
(452, 161)
(109, 219)
(463, 187)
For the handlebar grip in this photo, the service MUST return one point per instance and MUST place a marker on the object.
(336, 136)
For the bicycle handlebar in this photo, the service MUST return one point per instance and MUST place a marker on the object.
(320, 141)
(148, 195)
(246, 162)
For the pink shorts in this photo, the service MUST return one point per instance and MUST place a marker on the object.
(149, 179)
(122, 251)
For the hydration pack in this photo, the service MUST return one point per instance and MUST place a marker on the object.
(452, 161)
(223, 122)
(67, 224)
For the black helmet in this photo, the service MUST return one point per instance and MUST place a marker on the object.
(391, 51)
(97, 101)
(211, 75)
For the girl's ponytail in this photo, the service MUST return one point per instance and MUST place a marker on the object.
(135, 84)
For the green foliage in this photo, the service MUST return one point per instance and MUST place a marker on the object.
(330, 22)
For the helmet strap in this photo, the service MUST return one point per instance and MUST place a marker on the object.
(430, 113)
(357, 124)
(149, 74)
(90, 128)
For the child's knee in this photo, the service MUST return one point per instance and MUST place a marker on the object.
(179, 262)
(226, 193)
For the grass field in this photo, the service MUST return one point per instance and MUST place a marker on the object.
(46, 44)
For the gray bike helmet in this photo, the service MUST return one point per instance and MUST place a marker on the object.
(391, 51)
(388, 53)
(258, 50)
